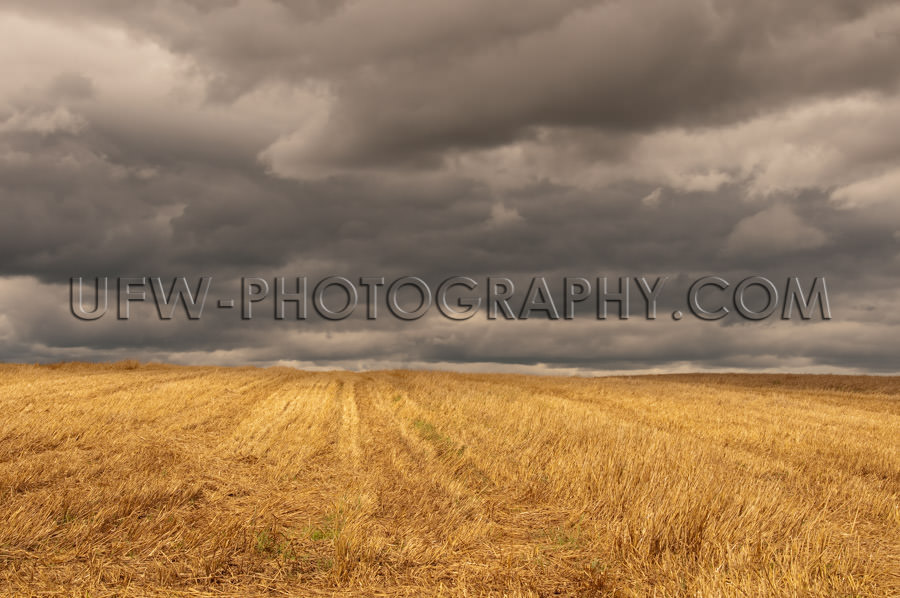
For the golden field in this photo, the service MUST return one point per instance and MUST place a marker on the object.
(152, 480)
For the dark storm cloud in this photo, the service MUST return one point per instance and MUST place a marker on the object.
(515, 138)
(413, 80)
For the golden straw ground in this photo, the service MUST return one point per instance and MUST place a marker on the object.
(131, 479)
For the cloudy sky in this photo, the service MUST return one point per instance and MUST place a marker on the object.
(522, 138)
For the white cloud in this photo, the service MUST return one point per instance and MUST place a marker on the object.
(773, 231)
(503, 216)
(652, 199)
(46, 122)
(884, 188)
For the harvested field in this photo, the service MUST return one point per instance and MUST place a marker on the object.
(153, 480)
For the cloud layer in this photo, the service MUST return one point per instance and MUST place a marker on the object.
(524, 138)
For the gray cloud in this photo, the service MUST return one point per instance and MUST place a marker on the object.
(530, 138)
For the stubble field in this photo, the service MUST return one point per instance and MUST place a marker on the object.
(153, 480)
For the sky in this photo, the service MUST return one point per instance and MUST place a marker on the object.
(517, 138)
